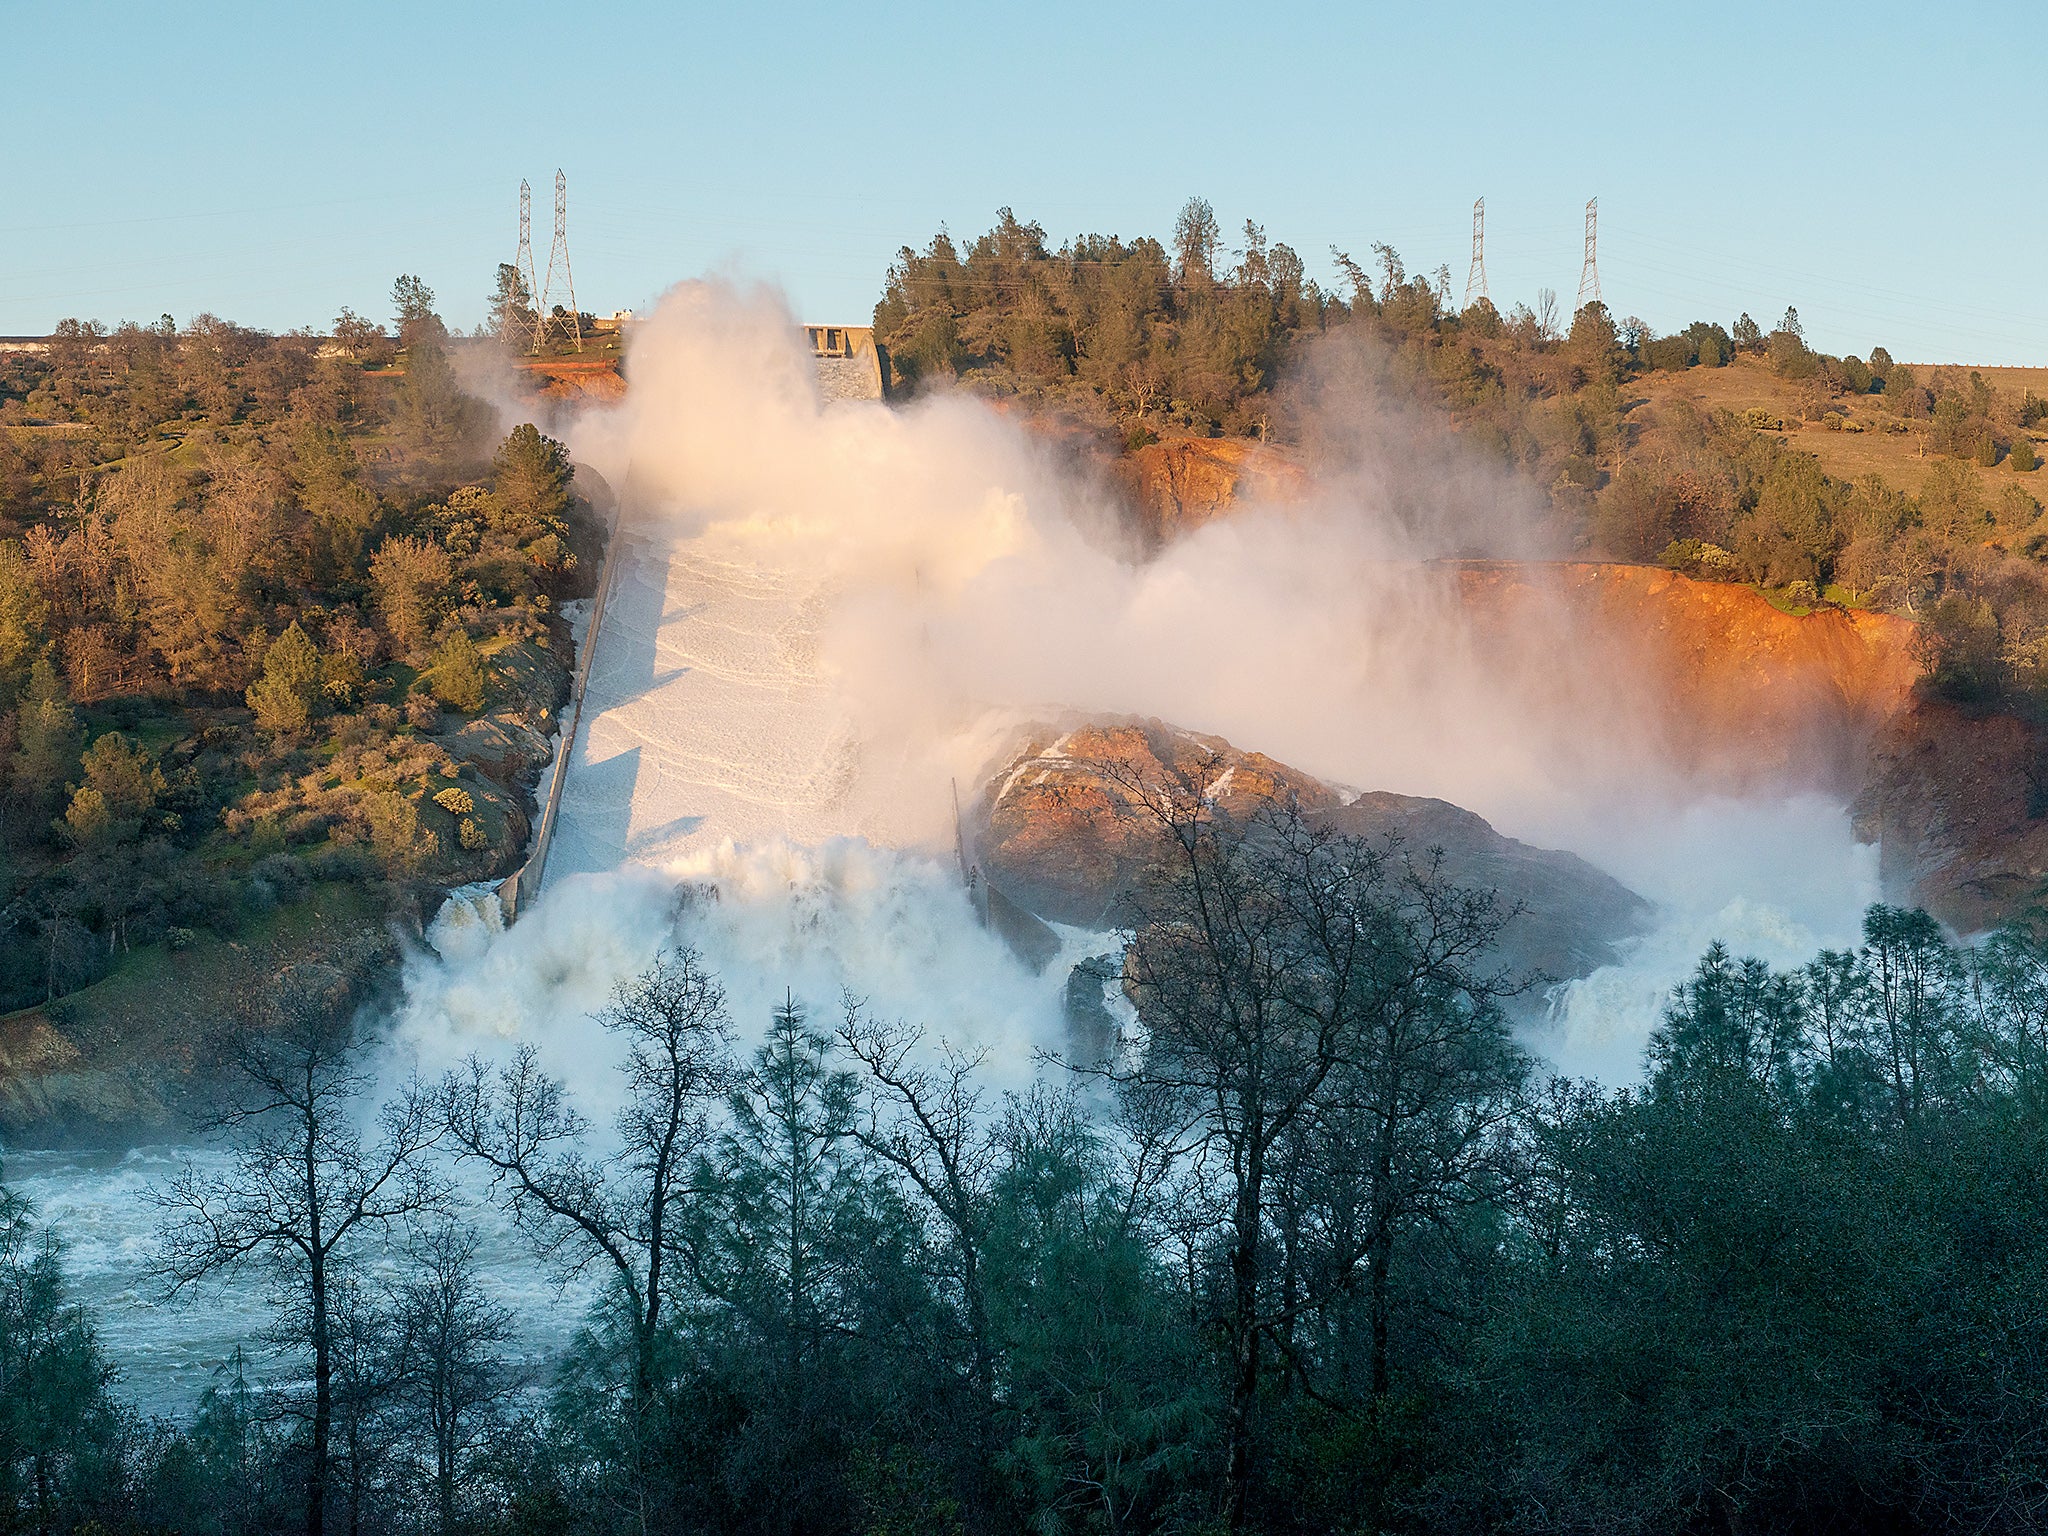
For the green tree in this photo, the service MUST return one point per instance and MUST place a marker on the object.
(1952, 504)
(413, 304)
(1957, 645)
(46, 737)
(61, 1431)
(457, 676)
(410, 578)
(123, 783)
(290, 690)
(531, 476)
(512, 313)
(1197, 237)
(23, 616)
(1106, 1397)
(2023, 458)
(436, 421)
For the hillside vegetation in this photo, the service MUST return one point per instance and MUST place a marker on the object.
(274, 611)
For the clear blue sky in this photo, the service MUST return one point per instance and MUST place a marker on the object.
(1876, 165)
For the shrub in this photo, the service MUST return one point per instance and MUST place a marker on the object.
(455, 801)
(2023, 458)
(396, 833)
(471, 836)
(87, 819)
(279, 709)
(1670, 354)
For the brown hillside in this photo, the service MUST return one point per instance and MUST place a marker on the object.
(1874, 440)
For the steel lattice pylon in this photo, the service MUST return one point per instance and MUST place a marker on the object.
(1475, 275)
(558, 256)
(1589, 272)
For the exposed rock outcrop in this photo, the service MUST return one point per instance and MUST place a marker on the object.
(1060, 831)
(1729, 690)
(1178, 483)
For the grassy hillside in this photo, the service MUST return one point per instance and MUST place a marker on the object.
(1869, 437)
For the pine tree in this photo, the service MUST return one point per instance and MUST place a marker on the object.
(47, 739)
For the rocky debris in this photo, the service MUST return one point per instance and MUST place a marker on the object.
(1061, 831)
(504, 747)
(509, 747)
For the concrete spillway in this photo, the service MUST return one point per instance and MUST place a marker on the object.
(705, 717)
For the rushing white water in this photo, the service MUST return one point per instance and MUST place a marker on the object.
(823, 619)
(169, 1349)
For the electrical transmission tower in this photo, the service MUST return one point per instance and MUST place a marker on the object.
(1475, 275)
(525, 260)
(1589, 273)
(559, 257)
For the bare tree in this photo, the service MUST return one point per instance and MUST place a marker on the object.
(1286, 977)
(448, 1367)
(931, 1124)
(622, 1214)
(305, 1188)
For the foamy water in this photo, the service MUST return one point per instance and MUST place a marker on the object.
(169, 1349)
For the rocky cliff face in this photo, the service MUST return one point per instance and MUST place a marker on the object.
(1958, 806)
(1060, 831)
(1180, 483)
(1745, 697)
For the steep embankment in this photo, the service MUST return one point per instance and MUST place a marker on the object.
(1747, 698)
(1735, 693)
(1957, 803)
(124, 1059)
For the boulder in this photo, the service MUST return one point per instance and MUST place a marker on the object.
(1060, 831)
